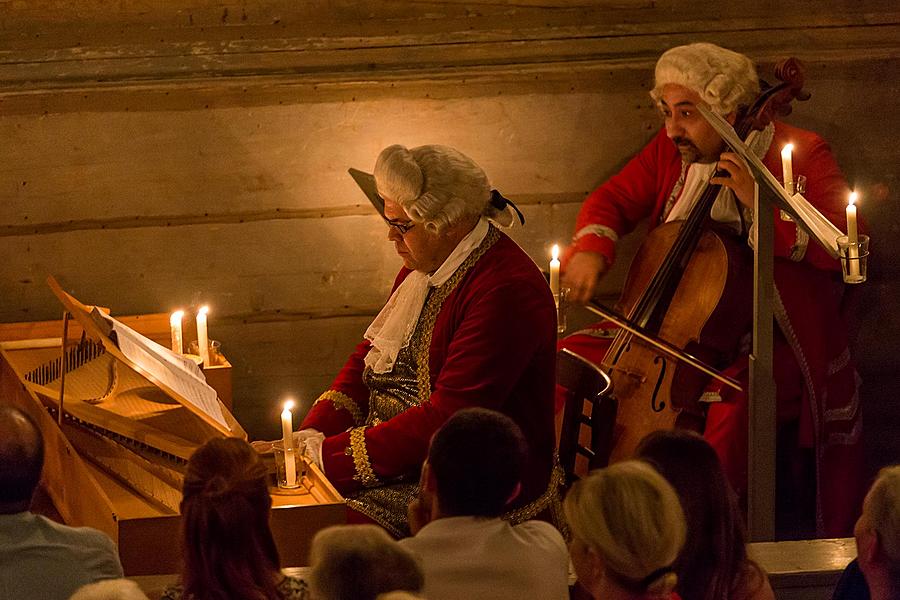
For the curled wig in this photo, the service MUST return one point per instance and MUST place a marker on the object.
(722, 78)
(436, 185)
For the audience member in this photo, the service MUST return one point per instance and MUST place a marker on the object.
(627, 530)
(713, 565)
(38, 557)
(472, 472)
(877, 535)
(398, 595)
(360, 562)
(228, 547)
(110, 589)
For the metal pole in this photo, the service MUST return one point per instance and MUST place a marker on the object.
(761, 450)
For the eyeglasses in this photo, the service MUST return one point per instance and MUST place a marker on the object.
(399, 226)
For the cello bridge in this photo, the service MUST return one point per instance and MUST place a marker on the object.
(637, 375)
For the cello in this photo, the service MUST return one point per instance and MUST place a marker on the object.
(687, 288)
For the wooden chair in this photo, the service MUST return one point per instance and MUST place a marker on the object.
(589, 415)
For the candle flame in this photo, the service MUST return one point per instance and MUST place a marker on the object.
(788, 148)
(554, 253)
(853, 197)
(203, 310)
(176, 317)
(288, 405)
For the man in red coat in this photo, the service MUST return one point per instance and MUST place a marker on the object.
(816, 381)
(470, 322)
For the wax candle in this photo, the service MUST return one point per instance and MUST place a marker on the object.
(852, 238)
(554, 271)
(787, 167)
(852, 231)
(203, 335)
(177, 334)
(287, 428)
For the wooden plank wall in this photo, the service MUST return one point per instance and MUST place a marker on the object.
(162, 154)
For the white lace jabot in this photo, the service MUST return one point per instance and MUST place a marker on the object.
(394, 325)
(725, 208)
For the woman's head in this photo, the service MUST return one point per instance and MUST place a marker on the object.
(877, 531)
(627, 528)
(225, 520)
(714, 557)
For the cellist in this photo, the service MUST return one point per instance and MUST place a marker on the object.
(816, 380)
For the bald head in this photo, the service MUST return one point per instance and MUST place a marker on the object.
(21, 459)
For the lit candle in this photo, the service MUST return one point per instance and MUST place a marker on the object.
(787, 168)
(175, 327)
(202, 335)
(287, 428)
(554, 271)
(852, 238)
(852, 231)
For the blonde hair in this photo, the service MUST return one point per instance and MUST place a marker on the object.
(882, 507)
(631, 517)
(436, 185)
(722, 78)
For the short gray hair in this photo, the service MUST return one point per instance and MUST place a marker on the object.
(436, 185)
(723, 79)
(359, 562)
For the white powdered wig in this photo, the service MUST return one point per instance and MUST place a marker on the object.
(724, 79)
(436, 185)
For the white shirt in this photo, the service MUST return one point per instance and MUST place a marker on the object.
(488, 559)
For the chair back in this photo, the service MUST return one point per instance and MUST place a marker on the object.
(589, 415)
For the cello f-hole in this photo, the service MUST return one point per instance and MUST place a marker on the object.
(661, 360)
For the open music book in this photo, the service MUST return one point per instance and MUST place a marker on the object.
(804, 214)
(173, 370)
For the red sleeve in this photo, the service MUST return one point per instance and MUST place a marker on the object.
(622, 202)
(495, 337)
(346, 402)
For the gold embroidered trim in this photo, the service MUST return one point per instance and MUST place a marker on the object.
(386, 505)
(364, 473)
(340, 400)
(421, 343)
(710, 397)
(551, 498)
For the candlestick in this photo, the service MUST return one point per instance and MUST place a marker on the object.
(177, 334)
(287, 428)
(202, 335)
(554, 272)
(787, 168)
(852, 238)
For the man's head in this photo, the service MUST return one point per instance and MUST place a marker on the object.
(476, 461)
(21, 459)
(687, 75)
(877, 531)
(433, 196)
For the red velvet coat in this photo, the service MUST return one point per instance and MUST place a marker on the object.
(493, 345)
(817, 365)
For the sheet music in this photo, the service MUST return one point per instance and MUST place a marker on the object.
(804, 213)
(169, 368)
